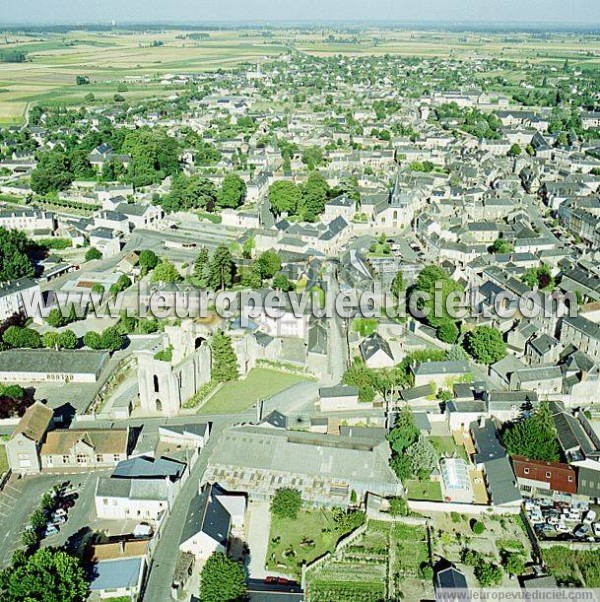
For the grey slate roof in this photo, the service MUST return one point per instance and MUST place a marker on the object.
(486, 442)
(133, 489)
(206, 514)
(501, 481)
(116, 574)
(44, 361)
(148, 468)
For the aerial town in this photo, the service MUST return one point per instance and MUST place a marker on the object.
(176, 424)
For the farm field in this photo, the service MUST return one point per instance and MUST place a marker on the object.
(142, 59)
(387, 559)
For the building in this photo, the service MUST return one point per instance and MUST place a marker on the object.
(138, 498)
(448, 579)
(442, 374)
(187, 435)
(583, 334)
(338, 398)
(31, 221)
(456, 483)
(537, 477)
(47, 365)
(324, 468)
(85, 448)
(23, 447)
(376, 352)
(119, 569)
(213, 517)
(17, 297)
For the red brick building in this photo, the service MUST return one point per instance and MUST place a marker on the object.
(546, 476)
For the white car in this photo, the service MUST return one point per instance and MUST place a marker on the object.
(553, 520)
(590, 517)
(596, 529)
(562, 528)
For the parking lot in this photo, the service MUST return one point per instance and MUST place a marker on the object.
(21, 497)
(564, 521)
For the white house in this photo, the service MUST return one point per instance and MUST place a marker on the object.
(16, 297)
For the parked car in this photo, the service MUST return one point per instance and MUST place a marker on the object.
(50, 530)
(590, 517)
(583, 531)
(562, 528)
(270, 579)
(60, 512)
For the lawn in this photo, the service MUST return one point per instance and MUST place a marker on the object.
(3, 459)
(446, 446)
(292, 542)
(424, 490)
(567, 565)
(236, 396)
(364, 326)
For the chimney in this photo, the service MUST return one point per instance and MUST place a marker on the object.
(122, 547)
(481, 421)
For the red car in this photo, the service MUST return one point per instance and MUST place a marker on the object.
(270, 580)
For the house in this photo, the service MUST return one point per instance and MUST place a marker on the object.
(18, 297)
(376, 352)
(536, 477)
(442, 374)
(146, 467)
(140, 216)
(582, 334)
(106, 240)
(85, 448)
(23, 447)
(545, 380)
(588, 479)
(138, 498)
(543, 349)
(338, 398)
(47, 365)
(213, 516)
(446, 581)
(187, 435)
(29, 220)
(119, 569)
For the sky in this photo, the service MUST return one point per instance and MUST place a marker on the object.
(271, 11)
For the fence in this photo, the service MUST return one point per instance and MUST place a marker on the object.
(422, 506)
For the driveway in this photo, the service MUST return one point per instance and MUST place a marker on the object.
(258, 527)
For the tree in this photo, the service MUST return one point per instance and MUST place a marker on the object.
(188, 194)
(48, 575)
(67, 339)
(312, 157)
(111, 339)
(250, 278)
(148, 260)
(398, 285)
(423, 457)
(515, 151)
(485, 344)
(232, 192)
(166, 272)
(501, 245)
(285, 197)
(52, 174)
(202, 268)
(92, 253)
(17, 337)
(478, 527)
(92, 340)
(281, 283)
(222, 579)
(15, 250)
(314, 194)
(534, 436)
(362, 377)
(286, 503)
(221, 269)
(123, 283)
(487, 574)
(447, 332)
(224, 361)
(514, 564)
(268, 264)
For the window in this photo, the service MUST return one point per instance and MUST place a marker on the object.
(99, 458)
(526, 470)
(81, 459)
(548, 475)
(66, 459)
(570, 479)
(105, 501)
(156, 387)
(116, 457)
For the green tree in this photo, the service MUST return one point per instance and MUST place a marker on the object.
(362, 377)
(221, 269)
(423, 457)
(250, 277)
(224, 361)
(148, 260)
(52, 174)
(478, 527)
(92, 253)
(48, 575)
(398, 285)
(202, 268)
(15, 251)
(285, 197)
(281, 283)
(534, 436)
(485, 344)
(314, 195)
(514, 564)
(232, 192)
(111, 339)
(488, 574)
(501, 245)
(268, 264)
(222, 579)
(398, 506)
(515, 151)
(92, 340)
(67, 339)
(165, 271)
(17, 337)
(312, 157)
(447, 332)
(286, 503)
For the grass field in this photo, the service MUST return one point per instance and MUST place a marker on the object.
(3, 459)
(446, 446)
(424, 490)
(237, 396)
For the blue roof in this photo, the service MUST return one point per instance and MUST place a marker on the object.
(116, 574)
